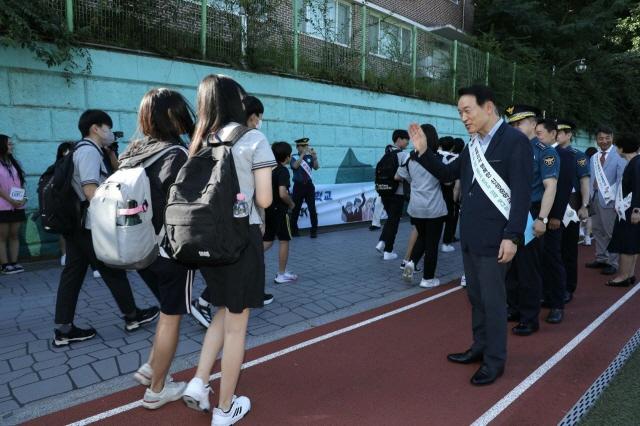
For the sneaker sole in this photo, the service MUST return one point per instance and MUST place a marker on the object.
(199, 317)
(283, 281)
(153, 405)
(11, 272)
(138, 324)
(193, 403)
(267, 302)
(65, 342)
(142, 379)
(429, 286)
(407, 274)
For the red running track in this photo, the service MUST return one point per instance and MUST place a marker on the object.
(394, 371)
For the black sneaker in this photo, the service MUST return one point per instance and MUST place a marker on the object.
(17, 268)
(268, 298)
(74, 335)
(313, 233)
(8, 270)
(143, 316)
(202, 314)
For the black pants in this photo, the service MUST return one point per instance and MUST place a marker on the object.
(524, 279)
(570, 236)
(554, 276)
(453, 210)
(393, 205)
(429, 231)
(306, 192)
(486, 291)
(80, 255)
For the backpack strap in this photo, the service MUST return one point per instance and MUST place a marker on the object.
(149, 161)
(86, 142)
(231, 140)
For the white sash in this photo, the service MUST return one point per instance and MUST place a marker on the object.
(491, 183)
(570, 215)
(306, 168)
(603, 183)
(622, 203)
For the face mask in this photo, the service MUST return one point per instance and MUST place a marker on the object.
(108, 137)
(259, 125)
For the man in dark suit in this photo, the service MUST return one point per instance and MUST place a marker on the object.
(489, 236)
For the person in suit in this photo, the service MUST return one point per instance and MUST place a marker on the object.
(554, 275)
(578, 201)
(602, 200)
(524, 279)
(489, 238)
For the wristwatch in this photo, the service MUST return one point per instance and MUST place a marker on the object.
(544, 220)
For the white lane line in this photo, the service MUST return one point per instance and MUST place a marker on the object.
(508, 399)
(269, 357)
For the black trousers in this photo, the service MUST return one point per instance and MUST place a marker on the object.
(304, 192)
(429, 231)
(486, 292)
(570, 236)
(554, 276)
(80, 255)
(524, 278)
(393, 205)
(453, 211)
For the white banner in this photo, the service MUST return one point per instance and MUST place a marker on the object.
(341, 203)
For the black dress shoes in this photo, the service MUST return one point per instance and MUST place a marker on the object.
(485, 375)
(525, 329)
(545, 304)
(609, 270)
(596, 265)
(555, 316)
(313, 233)
(624, 283)
(513, 317)
(568, 297)
(467, 357)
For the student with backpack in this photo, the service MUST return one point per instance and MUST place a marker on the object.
(12, 202)
(201, 307)
(391, 191)
(164, 118)
(85, 170)
(223, 184)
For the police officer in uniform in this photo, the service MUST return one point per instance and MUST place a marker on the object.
(303, 165)
(554, 276)
(524, 280)
(578, 202)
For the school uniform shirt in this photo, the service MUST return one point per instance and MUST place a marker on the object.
(9, 178)
(88, 168)
(426, 200)
(251, 152)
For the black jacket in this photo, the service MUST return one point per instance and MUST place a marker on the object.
(482, 226)
(565, 183)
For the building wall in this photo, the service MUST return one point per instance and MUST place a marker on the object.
(39, 109)
(433, 12)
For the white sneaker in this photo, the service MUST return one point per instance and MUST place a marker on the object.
(433, 282)
(196, 395)
(287, 277)
(172, 391)
(380, 247)
(447, 248)
(463, 281)
(144, 374)
(389, 256)
(96, 274)
(587, 241)
(407, 272)
(63, 260)
(240, 406)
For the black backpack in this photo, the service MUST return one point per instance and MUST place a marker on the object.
(386, 170)
(59, 206)
(199, 221)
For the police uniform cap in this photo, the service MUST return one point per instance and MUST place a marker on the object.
(566, 125)
(520, 112)
(302, 141)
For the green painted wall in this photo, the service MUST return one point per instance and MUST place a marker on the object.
(39, 108)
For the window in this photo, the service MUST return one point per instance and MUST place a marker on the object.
(329, 20)
(389, 39)
(436, 65)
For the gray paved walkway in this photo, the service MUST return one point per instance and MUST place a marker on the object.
(340, 274)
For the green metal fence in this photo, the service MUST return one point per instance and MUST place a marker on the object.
(331, 40)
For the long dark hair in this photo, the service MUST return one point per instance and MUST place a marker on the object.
(7, 159)
(164, 115)
(432, 136)
(219, 103)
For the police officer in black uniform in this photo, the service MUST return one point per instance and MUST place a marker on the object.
(302, 166)
(524, 280)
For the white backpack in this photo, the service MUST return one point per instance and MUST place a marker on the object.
(120, 213)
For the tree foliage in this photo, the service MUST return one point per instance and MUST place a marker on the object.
(544, 33)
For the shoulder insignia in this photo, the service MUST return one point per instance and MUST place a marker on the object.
(549, 160)
(582, 162)
(510, 110)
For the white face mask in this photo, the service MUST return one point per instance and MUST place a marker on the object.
(259, 125)
(108, 137)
